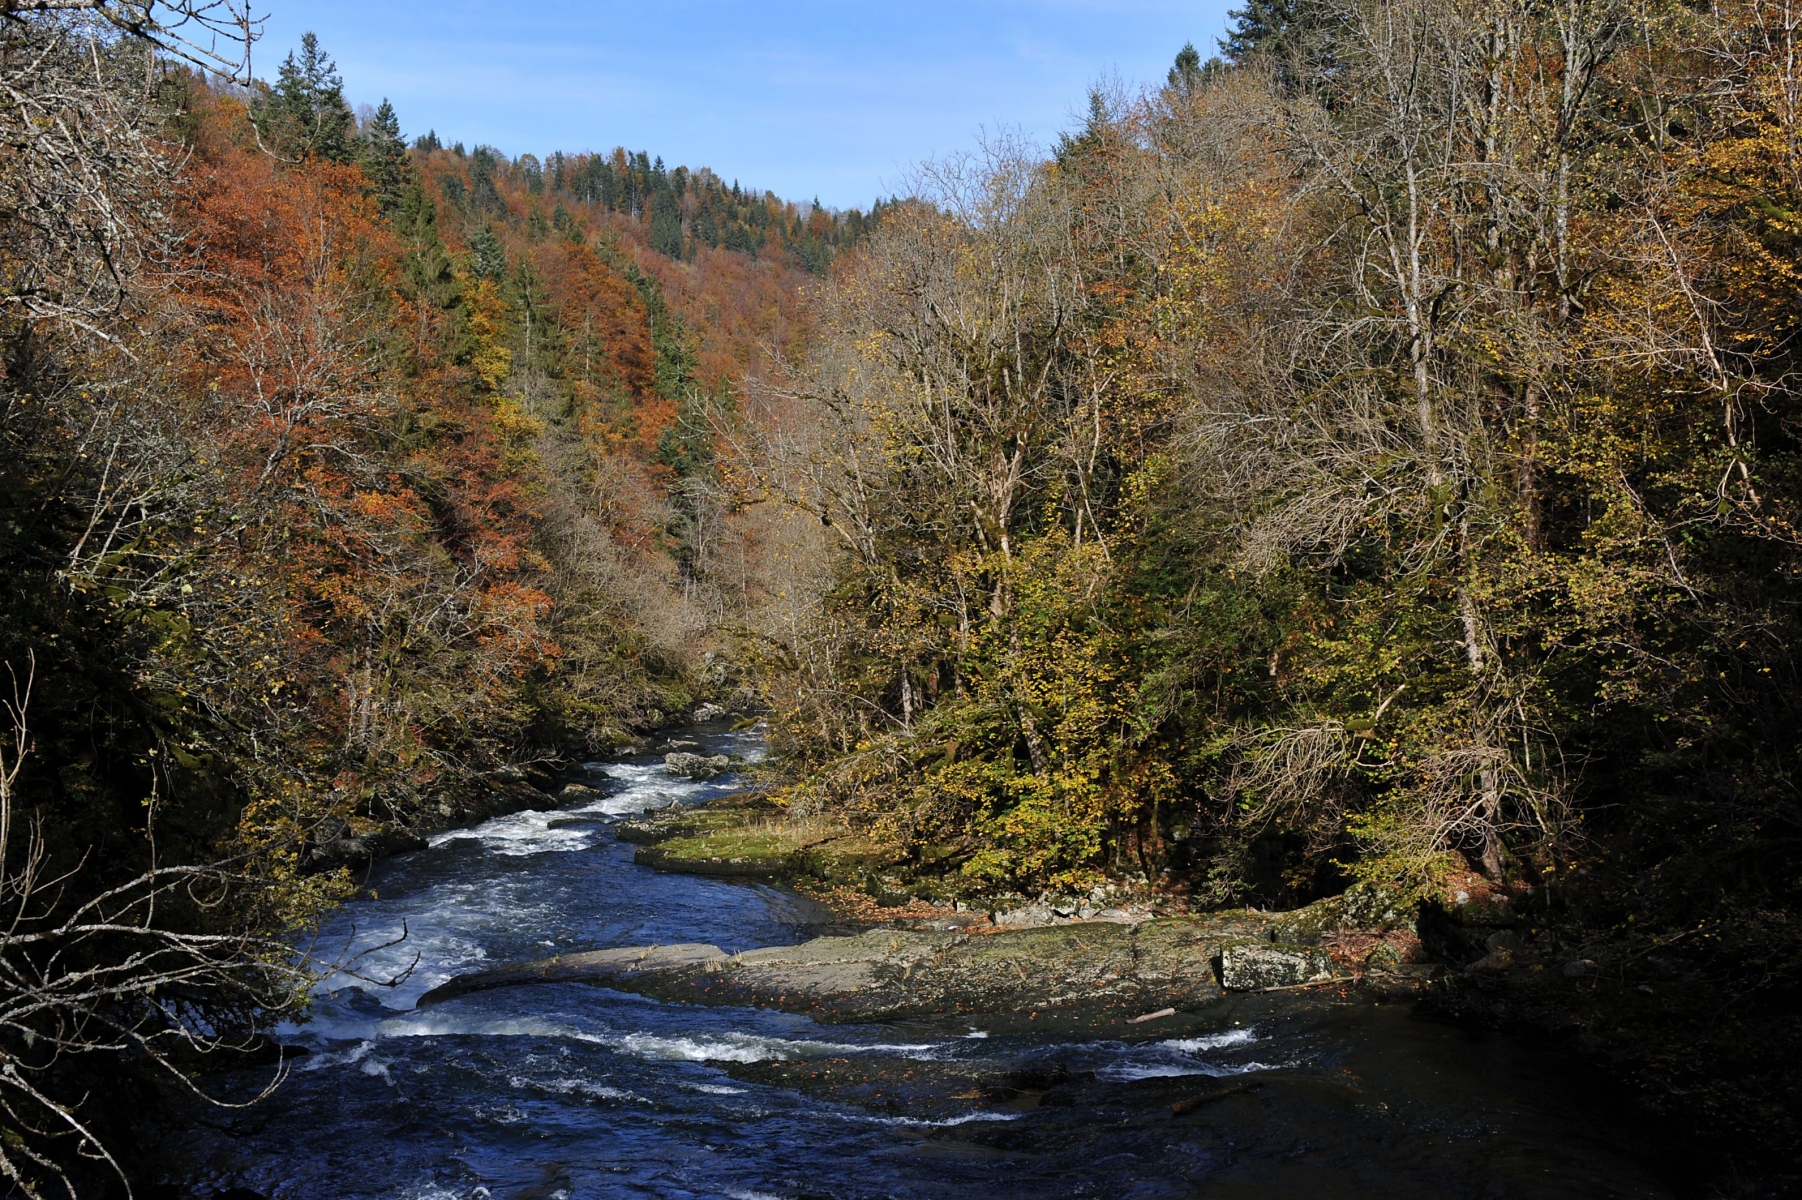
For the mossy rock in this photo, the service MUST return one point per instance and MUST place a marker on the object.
(1362, 906)
(735, 851)
(687, 821)
(1247, 965)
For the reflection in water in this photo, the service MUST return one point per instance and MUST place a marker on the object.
(565, 1091)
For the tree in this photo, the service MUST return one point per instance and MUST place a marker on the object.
(304, 115)
(666, 223)
(382, 152)
(1186, 75)
(1265, 27)
(488, 258)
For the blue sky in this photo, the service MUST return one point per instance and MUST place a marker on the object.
(835, 100)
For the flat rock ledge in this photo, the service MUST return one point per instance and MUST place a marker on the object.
(886, 974)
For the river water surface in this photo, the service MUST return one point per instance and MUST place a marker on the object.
(559, 1092)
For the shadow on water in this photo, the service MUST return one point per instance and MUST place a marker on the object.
(566, 1091)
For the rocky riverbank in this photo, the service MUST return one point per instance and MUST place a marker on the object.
(1093, 973)
(1484, 957)
(1094, 961)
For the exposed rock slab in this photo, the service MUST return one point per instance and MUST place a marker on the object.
(892, 973)
(592, 966)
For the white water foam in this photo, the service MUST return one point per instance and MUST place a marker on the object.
(725, 1047)
(568, 1086)
(437, 937)
(1212, 1041)
(964, 1119)
(749, 1048)
(648, 786)
(518, 834)
(433, 1191)
(335, 1058)
(1175, 1057)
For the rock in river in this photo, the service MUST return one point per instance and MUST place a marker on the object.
(696, 766)
(334, 846)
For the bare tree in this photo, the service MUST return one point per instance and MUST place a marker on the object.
(83, 179)
(157, 967)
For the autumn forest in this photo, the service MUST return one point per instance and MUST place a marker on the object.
(1367, 459)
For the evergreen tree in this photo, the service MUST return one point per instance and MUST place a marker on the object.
(1185, 76)
(565, 224)
(383, 154)
(304, 115)
(430, 278)
(1286, 32)
(484, 196)
(488, 258)
(666, 223)
(1073, 150)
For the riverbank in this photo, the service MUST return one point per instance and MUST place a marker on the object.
(1485, 959)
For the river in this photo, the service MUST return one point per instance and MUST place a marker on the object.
(561, 1092)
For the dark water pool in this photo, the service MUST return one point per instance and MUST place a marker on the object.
(567, 1091)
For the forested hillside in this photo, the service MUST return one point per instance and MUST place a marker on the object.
(342, 481)
(1367, 459)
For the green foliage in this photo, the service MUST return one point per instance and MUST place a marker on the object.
(487, 257)
(1187, 71)
(304, 114)
(382, 153)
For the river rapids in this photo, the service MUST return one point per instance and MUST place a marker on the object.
(566, 1091)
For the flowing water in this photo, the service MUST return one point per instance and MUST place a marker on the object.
(558, 1092)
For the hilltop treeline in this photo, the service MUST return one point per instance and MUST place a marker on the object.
(341, 482)
(1369, 457)
(686, 210)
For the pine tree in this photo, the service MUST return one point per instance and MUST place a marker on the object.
(383, 154)
(1186, 74)
(429, 277)
(488, 258)
(304, 115)
(1284, 31)
(666, 223)
(1073, 149)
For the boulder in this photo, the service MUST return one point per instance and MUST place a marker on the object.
(1033, 915)
(334, 848)
(1248, 966)
(890, 891)
(574, 793)
(697, 766)
(710, 712)
(1361, 907)
(533, 775)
